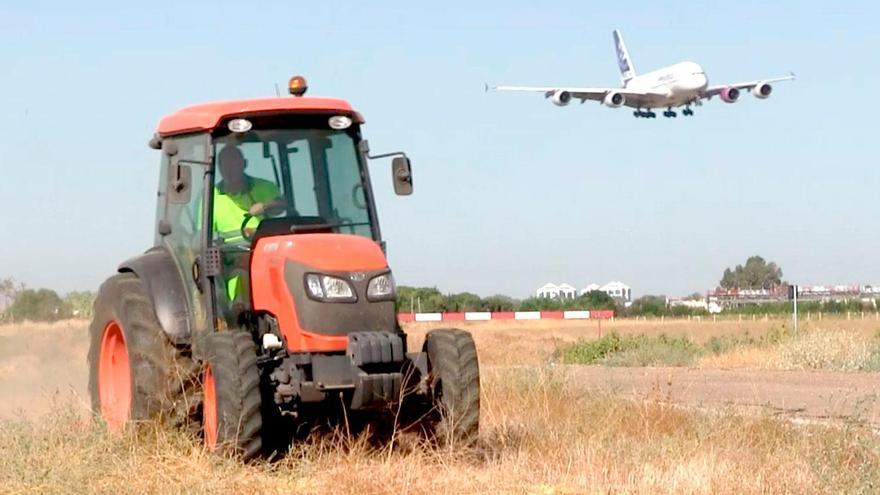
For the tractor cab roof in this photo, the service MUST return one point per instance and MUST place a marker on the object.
(207, 116)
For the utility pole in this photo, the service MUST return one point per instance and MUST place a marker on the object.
(793, 296)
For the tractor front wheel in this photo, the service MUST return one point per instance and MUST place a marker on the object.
(231, 414)
(454, 381)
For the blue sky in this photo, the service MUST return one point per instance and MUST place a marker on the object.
(511, 192)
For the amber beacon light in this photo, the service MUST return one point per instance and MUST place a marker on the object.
(297, 86)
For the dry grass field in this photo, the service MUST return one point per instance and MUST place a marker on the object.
(534, 342)
(544, 429)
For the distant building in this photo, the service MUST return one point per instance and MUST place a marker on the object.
(618, 290)
(553, 291)
(567, 291)
(590, 288)
(548, 291)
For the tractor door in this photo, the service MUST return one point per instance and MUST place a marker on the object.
(179, 214)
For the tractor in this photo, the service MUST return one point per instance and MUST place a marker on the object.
(266, 304)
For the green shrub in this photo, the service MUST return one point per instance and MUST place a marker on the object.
(664, 350)
(638, 350)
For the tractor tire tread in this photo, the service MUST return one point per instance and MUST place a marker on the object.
(453, 359)
(162, 375)
(232, 356)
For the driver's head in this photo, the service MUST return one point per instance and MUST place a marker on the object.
(231, 163)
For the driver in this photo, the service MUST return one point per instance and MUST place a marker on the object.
(239, 194)
(236, 196)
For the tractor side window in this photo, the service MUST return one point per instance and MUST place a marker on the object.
(347, 194)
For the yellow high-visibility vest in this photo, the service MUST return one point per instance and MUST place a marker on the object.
(230, 209)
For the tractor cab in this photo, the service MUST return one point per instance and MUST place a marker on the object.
(237, 174)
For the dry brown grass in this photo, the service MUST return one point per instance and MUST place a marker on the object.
(811, 349)
(540, 434)
(533, 342)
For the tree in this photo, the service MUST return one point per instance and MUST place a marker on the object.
(464, 301)
(80, 303)
(500, 302)
(9, 290)
(39, 305)
(648, 306)
(596, 299)
(756, 274)
(420, 299)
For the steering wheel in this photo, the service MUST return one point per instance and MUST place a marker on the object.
(244, 230)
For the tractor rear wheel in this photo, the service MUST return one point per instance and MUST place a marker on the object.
(232, 421)
(455, 386)
(135, 372)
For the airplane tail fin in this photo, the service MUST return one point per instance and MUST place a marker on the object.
(627, 71)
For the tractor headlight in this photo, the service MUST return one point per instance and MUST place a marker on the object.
(329, 288)
(381, 287)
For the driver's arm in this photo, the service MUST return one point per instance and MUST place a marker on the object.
(268, 199)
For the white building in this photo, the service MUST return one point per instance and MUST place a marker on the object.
(618, 290)
(590, 288)
(567, 291)
(553, 291)
(548, 291)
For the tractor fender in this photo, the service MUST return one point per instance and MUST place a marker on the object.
(157, 270)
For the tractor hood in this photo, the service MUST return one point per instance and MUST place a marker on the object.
(324, 252)
(279, 267)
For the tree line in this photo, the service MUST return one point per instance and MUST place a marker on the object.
(431, 300)
(18, 303)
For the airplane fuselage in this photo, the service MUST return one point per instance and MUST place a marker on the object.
(680, 84)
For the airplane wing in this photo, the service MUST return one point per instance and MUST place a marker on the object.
(716, 90)
(583, 94)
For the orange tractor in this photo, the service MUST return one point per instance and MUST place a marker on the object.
(256, 332)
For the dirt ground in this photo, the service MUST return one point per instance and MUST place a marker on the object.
(41, 363)
(809, 395)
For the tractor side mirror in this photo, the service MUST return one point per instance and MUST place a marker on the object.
(401, 174)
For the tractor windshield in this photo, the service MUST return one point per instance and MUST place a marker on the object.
(295, 177)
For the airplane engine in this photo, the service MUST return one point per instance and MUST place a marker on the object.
(729, 95)
(614, 100)
(561, 98)
(762, 90)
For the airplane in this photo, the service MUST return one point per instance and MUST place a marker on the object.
(682, 84)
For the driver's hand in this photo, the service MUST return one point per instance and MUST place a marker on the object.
(248, 231)
(257, 209)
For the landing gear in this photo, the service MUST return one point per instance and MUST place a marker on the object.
(648, 115)
(669, 113)
(687, 108)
